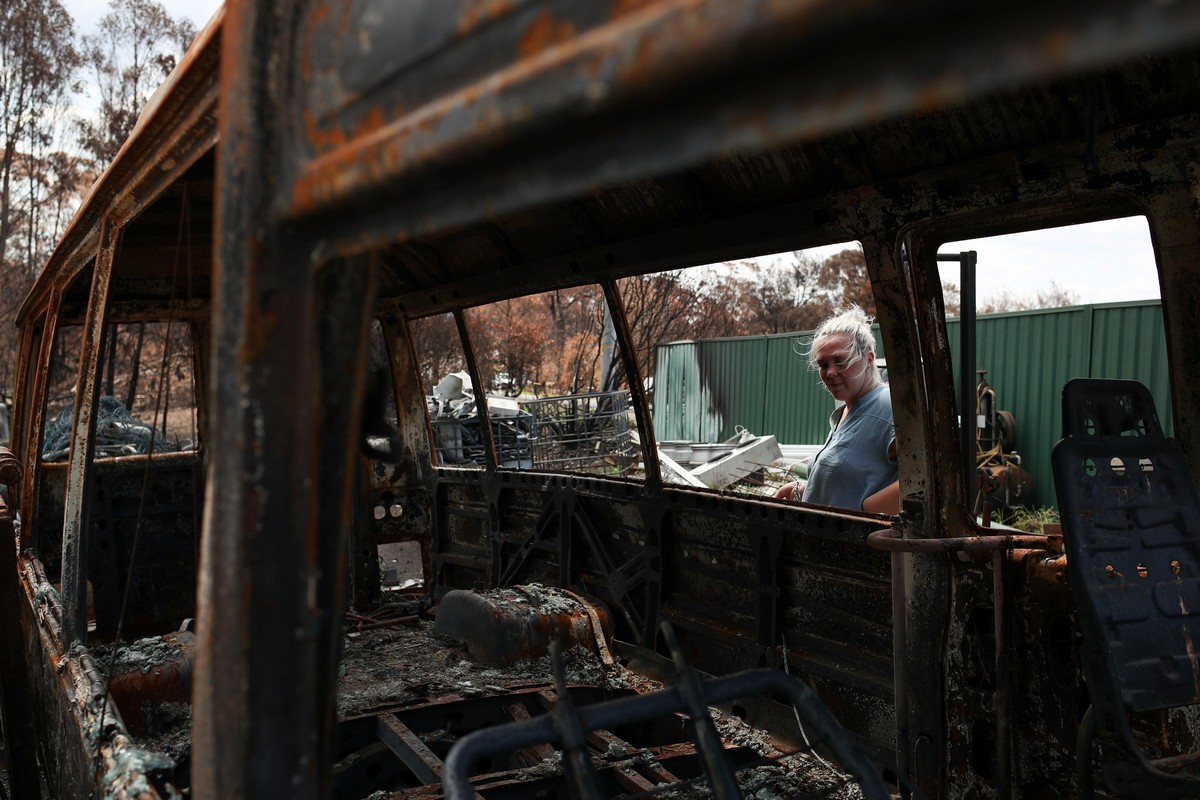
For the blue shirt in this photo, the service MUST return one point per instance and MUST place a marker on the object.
(854, 462)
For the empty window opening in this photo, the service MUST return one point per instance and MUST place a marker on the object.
(724, 348)
(1050, 305)
(557, 390)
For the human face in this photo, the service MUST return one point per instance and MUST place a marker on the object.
(845, 379)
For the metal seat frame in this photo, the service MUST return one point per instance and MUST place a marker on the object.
(1131, 532)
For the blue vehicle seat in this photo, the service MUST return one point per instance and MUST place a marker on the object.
(1131, 532)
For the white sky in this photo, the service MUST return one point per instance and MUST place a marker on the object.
(88, 12)
(1100, 262)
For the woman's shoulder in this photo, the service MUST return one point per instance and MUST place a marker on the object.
(878, 398)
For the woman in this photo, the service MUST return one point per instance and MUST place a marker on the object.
(856, 467)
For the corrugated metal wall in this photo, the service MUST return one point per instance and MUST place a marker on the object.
(704, 390)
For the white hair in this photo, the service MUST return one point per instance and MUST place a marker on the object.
(853, 323)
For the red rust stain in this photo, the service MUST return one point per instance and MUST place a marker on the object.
(344, 20)
(373, 121)
(640, 67)
(622, 7)
(543, 34)
(480, 13)
(319, 16)
(319, 138)
(256, 339)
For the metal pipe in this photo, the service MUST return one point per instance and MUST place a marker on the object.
(626, 710)
(891, 540)
(966, 362)
(577, 762)
(999, 571)
(720, 776)
(900, 662)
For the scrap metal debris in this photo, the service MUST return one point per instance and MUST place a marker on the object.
(118, 433)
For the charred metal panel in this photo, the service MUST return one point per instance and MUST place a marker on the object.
(737, 579)
(20, 750)
(153, 502)
(84, 745)
(1047, 686)
(725, 73)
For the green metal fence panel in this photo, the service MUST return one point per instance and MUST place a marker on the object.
(705, 389)
(678, 395)
(735, 374)
(1130, 342)
(797, 406)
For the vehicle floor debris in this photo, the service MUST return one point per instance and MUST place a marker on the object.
(411, 666)
(399, 670)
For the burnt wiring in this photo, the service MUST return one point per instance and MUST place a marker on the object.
(796, 711)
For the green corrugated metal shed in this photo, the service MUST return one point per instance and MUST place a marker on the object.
(705, 389)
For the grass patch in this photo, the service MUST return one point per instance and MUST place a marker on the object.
(1032, 520)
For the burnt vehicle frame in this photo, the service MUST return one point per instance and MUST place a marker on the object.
(517, 148)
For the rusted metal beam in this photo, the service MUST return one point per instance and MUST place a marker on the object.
(289, 360)
(87, 396)
(32, 455)
(409, 748)
(637, 384)
(893, 540)
(277, 537)
(727, 72)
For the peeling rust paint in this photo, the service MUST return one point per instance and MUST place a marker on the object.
(622, 7)
(543, 33)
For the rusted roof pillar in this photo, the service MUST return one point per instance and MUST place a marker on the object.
(289, 345)
(928, 497)
(1175, 222)
(83, 429)
(37, 411)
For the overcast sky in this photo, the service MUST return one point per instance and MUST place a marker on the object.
(88, 12)
(1099, 263)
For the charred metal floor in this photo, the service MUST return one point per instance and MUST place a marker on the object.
(408, 694)
(400, 752)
